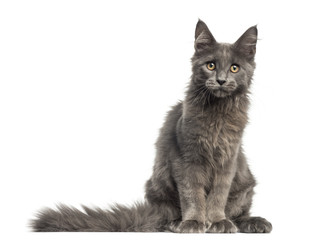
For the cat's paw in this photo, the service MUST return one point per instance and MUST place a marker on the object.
(188, 226)
(223, 226)
(255, 225)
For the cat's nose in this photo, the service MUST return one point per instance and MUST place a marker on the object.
(221, 82)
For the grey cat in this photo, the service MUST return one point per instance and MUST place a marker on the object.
(201, 181)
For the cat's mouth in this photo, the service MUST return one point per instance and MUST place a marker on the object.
(222, 91)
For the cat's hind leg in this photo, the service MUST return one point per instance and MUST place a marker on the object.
(238, 210)
(253, 225)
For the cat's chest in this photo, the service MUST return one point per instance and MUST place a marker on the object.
(222, 130)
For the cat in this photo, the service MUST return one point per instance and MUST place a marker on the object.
(201, 181)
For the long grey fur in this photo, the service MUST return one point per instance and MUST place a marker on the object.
(201, 181)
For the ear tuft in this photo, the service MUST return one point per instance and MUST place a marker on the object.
(203, 37)
(246, 44)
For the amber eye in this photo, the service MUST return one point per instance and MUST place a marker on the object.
(234, 68)
(211, 66)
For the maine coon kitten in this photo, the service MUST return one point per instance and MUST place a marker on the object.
(201, 181)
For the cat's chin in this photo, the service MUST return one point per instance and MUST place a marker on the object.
(221, 93)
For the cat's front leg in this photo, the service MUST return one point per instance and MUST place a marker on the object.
(192, 200)
(216, 202)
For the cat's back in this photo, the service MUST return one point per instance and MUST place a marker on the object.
(161, 187)
(168, 131)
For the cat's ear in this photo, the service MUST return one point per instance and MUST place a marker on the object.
(203, 37)
(246, 44)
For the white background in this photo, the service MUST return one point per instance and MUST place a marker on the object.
(85, 86)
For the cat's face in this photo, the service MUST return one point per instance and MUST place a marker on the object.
(223, 69)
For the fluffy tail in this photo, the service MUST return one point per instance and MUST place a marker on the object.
(142, 217)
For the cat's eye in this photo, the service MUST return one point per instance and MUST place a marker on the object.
(234, 68)
(211, 66)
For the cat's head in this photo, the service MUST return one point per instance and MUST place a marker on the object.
(223, 69)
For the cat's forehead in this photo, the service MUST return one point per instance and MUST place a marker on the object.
(223, 52)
